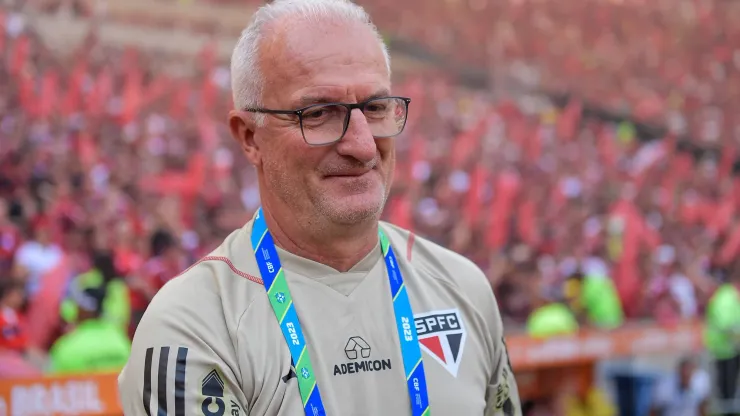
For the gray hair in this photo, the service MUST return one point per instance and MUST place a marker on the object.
(247, 81)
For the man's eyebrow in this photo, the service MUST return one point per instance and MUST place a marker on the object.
(315, 99)
(323, 99)
(381, 93)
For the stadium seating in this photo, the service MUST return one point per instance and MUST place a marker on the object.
(538, 143)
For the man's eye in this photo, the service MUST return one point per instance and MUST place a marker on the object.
(315, 114)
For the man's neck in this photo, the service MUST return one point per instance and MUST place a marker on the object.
(337, 247)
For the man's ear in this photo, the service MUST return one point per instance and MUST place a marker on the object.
(242, 127)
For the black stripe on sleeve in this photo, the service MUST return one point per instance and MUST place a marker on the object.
(182, 356)
(164, 355)
(147, 393)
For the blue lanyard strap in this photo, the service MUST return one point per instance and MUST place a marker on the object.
(281, 301)
(416, 381)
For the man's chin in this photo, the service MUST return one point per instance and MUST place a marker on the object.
(353, 209)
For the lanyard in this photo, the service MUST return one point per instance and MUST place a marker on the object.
(276, 286)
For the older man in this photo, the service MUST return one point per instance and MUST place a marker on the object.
(315, 306)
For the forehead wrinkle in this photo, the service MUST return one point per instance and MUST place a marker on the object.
(329, 93)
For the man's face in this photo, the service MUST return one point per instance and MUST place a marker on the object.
(306, 63)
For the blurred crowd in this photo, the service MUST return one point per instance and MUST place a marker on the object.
(111, 162)
(670, 61)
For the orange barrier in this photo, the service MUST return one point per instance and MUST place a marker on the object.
(49, 396)
(540, 365)
(544, 366)
(588, 346)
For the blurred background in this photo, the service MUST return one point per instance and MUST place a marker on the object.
(584, 153)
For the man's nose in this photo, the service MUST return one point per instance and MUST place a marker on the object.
(358, 142)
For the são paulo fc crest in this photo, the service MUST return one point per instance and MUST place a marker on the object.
(442, 335)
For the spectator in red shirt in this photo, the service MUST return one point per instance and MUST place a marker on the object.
(126, 254)
(15, 355)
(12, 333)
(167, 261)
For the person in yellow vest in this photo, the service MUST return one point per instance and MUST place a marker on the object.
(722, 335)
(594, 300)
(551, 318)
(95, 345)
(103, 274)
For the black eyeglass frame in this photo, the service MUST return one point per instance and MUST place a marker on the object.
(360, 106)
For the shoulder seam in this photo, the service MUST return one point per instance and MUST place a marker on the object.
(228, 262)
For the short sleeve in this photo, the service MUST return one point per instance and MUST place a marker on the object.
(502, 393)
(181, 360)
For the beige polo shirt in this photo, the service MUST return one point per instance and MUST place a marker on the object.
(210, 344)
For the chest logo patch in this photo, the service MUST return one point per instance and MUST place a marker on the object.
(442, 335)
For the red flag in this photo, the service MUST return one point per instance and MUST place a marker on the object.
(608, 150)
(474, 196)
(130, 61)
(208, 92)
(533, 142)
(569, 119)
(157, 88)
(132, 96)
(208, 132)
(518, 129)
(104, 88)
(21, 51)
(49, 94)
(179, 101)
(27, 93)
(466, 143)
(71, 103)
(721, 219)
(507, 186)
(87, 150)
(527, 221)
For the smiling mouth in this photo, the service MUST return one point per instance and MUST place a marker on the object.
(350, 173)
(347, 175)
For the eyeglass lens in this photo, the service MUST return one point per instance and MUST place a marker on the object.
(322, 124)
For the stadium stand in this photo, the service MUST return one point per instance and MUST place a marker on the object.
(601, 140)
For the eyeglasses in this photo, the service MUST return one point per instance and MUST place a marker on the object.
(325, 124)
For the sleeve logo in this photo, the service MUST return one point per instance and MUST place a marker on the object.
(502, 390)
(163, 387)
(442, 336)
(213, 390)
